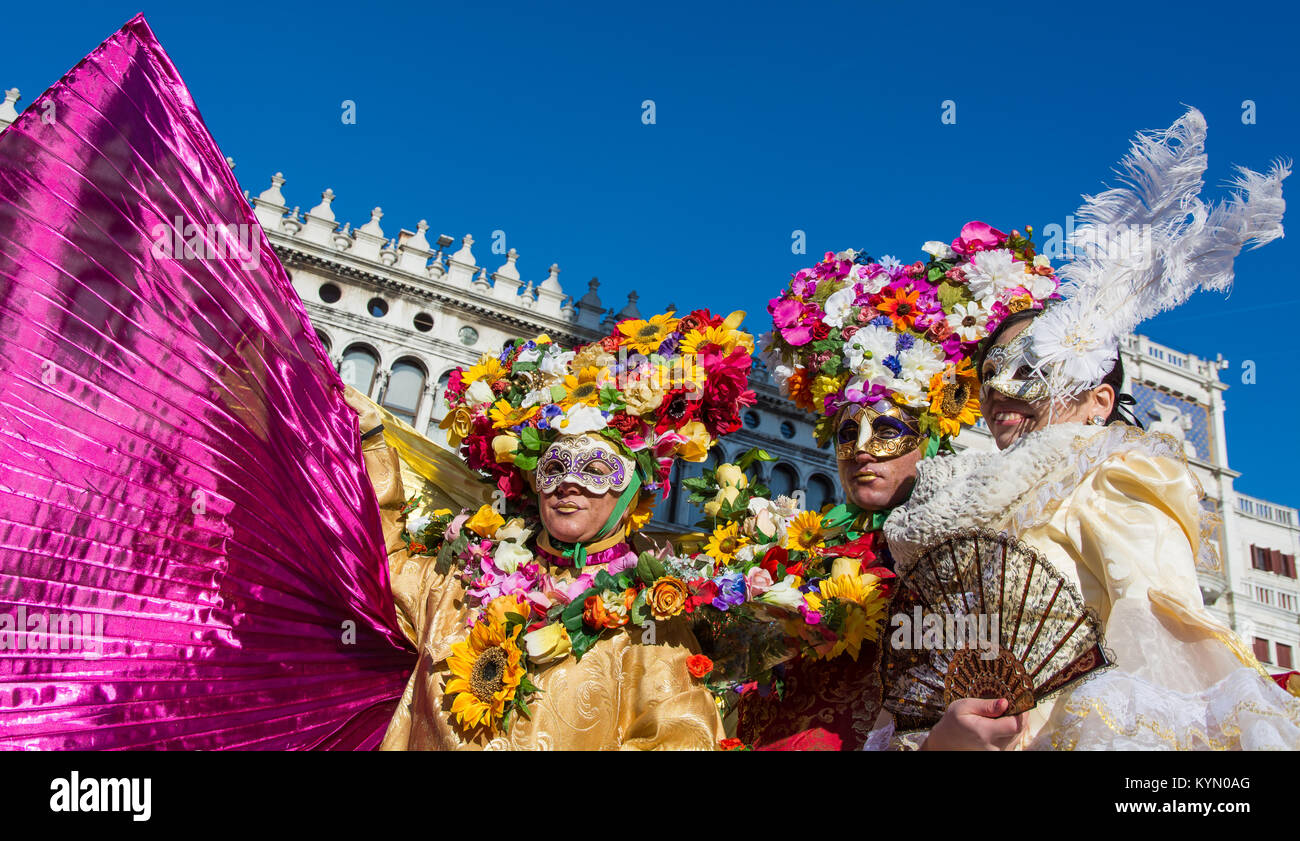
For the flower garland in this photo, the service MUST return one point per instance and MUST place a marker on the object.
(853, 329)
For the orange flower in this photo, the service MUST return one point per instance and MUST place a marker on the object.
(901, 308)
(609, 609)
(731, 744)
(799, 387)
(667, 597)
(699, 665)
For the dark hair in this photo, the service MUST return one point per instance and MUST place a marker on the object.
(1114, 378)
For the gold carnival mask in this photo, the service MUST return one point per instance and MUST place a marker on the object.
(584, 460)
(1013, 371)
(881, 430)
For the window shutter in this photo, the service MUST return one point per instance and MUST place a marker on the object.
(1261, 650)
(1288, 562)
(1284, 655)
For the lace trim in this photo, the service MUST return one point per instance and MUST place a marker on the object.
(1190, 721)
(1022, 487)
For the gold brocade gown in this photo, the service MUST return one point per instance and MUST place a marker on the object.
(623, 694)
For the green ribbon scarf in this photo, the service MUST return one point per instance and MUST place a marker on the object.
(577, 552)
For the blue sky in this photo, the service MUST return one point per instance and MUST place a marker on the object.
(770, 118)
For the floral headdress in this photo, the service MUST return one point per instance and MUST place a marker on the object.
(657, 389)
(856, 330)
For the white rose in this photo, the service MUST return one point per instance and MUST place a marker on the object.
(479, 392)
(555, 363)
(510, 555)
(938, 250)
(785, 593)
(527, 356)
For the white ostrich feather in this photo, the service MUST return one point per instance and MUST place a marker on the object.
(1144, 248)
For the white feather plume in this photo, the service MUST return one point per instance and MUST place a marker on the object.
(1146, 247)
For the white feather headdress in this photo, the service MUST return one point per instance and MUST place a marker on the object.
(1145, 248)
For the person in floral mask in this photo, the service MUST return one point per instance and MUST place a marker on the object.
(880, 351)
(538, 625)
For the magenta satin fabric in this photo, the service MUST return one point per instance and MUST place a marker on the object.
(175, 453)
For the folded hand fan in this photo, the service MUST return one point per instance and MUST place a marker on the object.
(983, 615)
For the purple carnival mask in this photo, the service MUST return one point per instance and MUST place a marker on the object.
(584, 460)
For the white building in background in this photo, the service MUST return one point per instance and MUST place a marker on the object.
(397, 313)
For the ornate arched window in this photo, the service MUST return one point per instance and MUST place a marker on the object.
(358, 368)
(439, 408)
(405, 387)
(783, 481)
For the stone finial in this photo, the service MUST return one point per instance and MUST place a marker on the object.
(8, 113)
(460, 266)
(343, 238)
(629, 311)
(291, 224)
(589, 307)
(465, 254)
(372, 227)
(413, 250)
(552, 282)
(568, 311)
(324, 210)
(481, 283)
(550, 297)
(509, 269)
(419, 240)
(272, 194)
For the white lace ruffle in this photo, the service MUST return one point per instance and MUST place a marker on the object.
(1119, 711)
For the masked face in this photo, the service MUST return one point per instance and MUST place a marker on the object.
(881, 430)
(586, 461)
(1010, 368)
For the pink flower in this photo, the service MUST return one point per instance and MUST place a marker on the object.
(758, 580)
(977, 236)
(453, 528)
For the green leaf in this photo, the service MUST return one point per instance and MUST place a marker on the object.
(638, 612)
(558, 393)
(526, 462)
(530, 438)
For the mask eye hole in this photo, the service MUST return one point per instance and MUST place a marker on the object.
(885, 432)
(1024, 372)
(552, 468)
(597, 468)
(848, 432)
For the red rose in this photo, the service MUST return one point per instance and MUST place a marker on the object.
(626, 423)
(820, 331)
(699, 665)
(776, 556)
(611, 343)
(731, 744)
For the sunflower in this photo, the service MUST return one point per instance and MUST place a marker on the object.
(488, 368)
(642, 514)
(699, 341)
(804, 534)
(486, 670)
(900, 306)
(647, 336)
(584, 388)
(954, 398)
(505, 416)
(724, 543)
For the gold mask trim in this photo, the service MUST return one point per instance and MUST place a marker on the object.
(878, 438)
(1007, 360)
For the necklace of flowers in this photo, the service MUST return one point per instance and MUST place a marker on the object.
(522, 618)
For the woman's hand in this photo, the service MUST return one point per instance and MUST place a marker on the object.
(973, 724)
